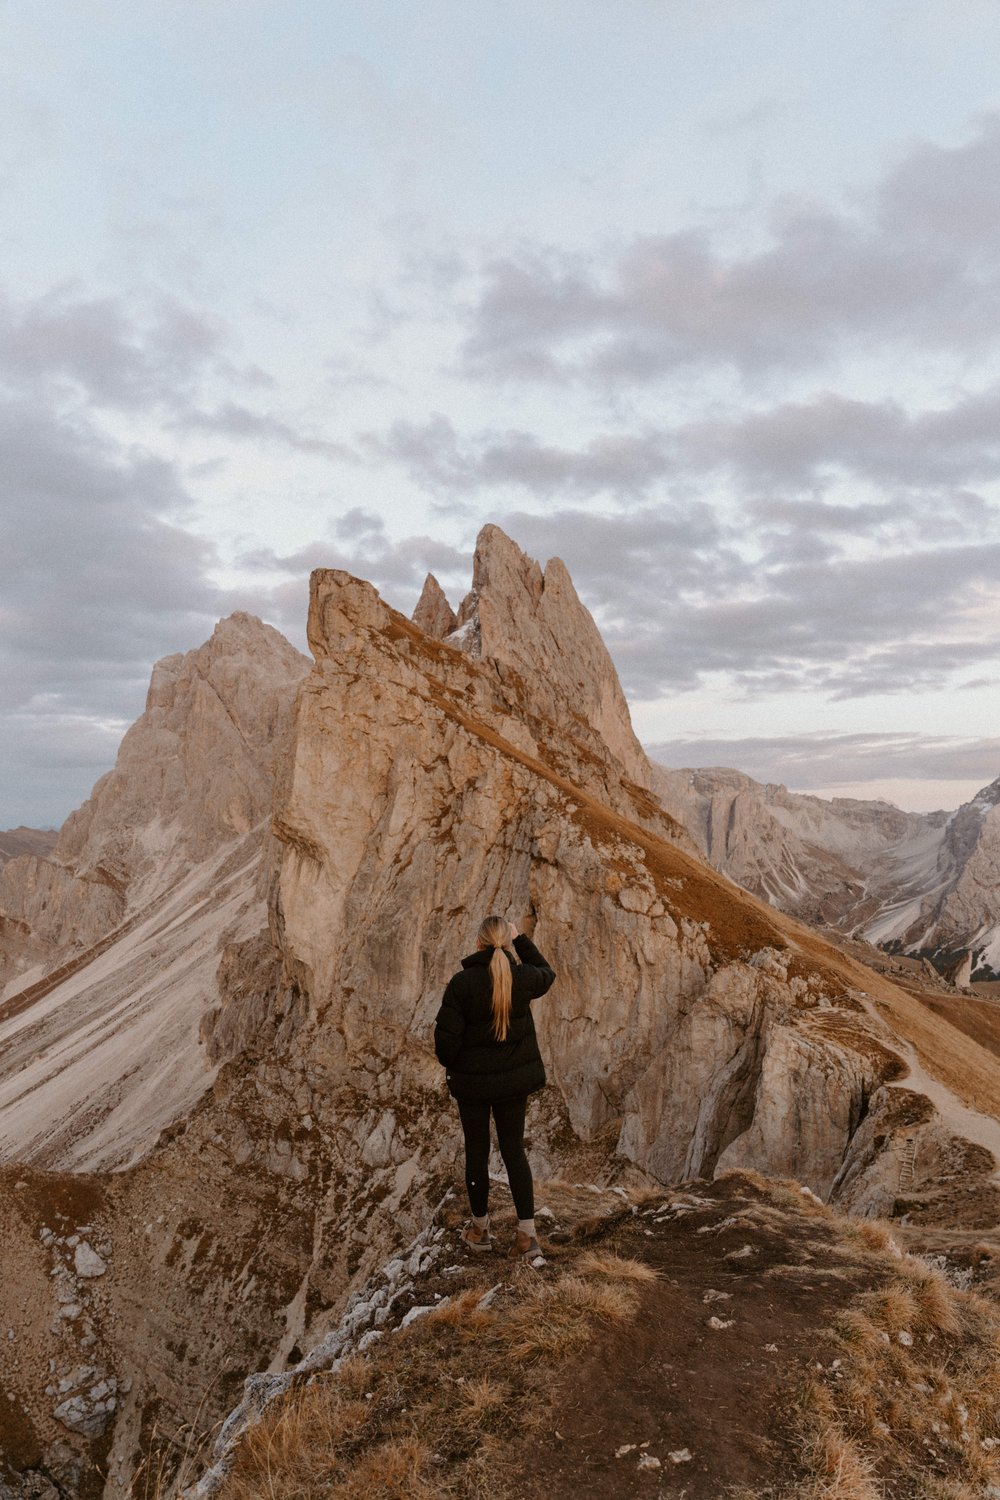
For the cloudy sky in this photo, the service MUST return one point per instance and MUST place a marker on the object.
(701, 295)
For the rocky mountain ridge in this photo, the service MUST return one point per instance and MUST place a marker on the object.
(691, 1029)
(919, 883)
(151, 882)
(193, 773)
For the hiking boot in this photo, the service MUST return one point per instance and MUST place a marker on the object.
(477, 1240)
(528, 1251)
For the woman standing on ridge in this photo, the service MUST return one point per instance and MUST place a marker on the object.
(485, 1038)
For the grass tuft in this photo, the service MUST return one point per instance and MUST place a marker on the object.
(892, 1308)
(299, 1445)
(614, 1267)
(555, 1318)
(841, 1470)
(937, 1308)
(462, 1312)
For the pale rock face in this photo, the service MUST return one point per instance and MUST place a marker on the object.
(46, 908)
(807, 1105)
(967, 913)
(433, 614)
(423, 789)
(193, 773)
(138, 959)
(534, 621)
(196, 769)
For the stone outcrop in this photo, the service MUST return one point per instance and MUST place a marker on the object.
(433, 614)
(146, 914)
(962, 920)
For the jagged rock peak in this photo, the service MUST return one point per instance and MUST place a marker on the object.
(200, 757)
(534, 620)
(433, 613)
(240, 643)
(193, 773)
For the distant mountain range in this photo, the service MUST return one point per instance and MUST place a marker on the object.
(15, 842)
(926, 884)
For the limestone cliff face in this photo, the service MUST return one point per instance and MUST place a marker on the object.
(196, 770)
(193, 773)
(148, 922)
(963, 914)
(426, 787)
(533, 620)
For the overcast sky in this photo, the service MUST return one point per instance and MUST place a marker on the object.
(701, 295)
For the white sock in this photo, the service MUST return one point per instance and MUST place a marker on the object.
(482, 1223)
(527, 1226)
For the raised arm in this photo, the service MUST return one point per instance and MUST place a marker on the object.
(537, 971)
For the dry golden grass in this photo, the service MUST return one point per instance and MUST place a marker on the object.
(614, 1267)
(892, 1308)
(300, 1447)
(430, 1412)
(555, 1318)
(937, 1308)
(314, 1443)
(915, 1391)
(871, 1234)
(462, 1312)
(479, 1399)
(398, 1469)
(859, 1333)
(841, 1470)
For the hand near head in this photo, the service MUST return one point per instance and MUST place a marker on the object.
(513, 930)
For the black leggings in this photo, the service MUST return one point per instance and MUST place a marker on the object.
(509, 1117)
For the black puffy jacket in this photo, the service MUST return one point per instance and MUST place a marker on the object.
(478, 1066)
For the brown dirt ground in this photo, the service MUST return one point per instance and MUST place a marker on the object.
(667, 1381)
(778, 1269)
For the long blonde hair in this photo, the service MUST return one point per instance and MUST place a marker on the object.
(494, 933)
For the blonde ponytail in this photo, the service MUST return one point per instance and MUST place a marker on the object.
(495, 933)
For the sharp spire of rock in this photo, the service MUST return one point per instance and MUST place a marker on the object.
(535, 621)
(433, 613)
